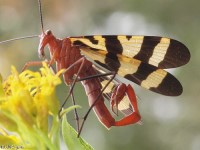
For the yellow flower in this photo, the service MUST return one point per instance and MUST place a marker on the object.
(27, 101)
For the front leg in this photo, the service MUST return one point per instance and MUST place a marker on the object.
(37, 63)
(31, 63)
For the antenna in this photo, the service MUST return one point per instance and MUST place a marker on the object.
(32, 36)
(19, 38)
(41, 17)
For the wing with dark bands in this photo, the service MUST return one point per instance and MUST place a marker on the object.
(143, 74)
(161, 52)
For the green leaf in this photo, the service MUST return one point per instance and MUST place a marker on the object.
(65, 111)
(70, 137)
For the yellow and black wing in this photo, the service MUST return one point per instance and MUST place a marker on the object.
(140, 59)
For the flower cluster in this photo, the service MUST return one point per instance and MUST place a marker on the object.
(28, 103)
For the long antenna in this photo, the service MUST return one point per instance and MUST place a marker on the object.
(41, 17)
(19, 38)
(32, 36)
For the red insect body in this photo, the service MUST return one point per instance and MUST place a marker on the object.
(68, 56)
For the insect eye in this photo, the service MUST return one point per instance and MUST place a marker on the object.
(48, 32)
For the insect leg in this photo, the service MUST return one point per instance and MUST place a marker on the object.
(37, 63)
(75, 110)
(80, 62)
(82, 79)
(84, 65)
(95, 102)
(31, 63)
(96, 76)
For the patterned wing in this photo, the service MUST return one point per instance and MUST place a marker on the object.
(143, 74)
(158, 51)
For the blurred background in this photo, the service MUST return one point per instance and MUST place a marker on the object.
(170, 123)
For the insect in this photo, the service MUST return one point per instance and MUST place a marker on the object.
(140, 59)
